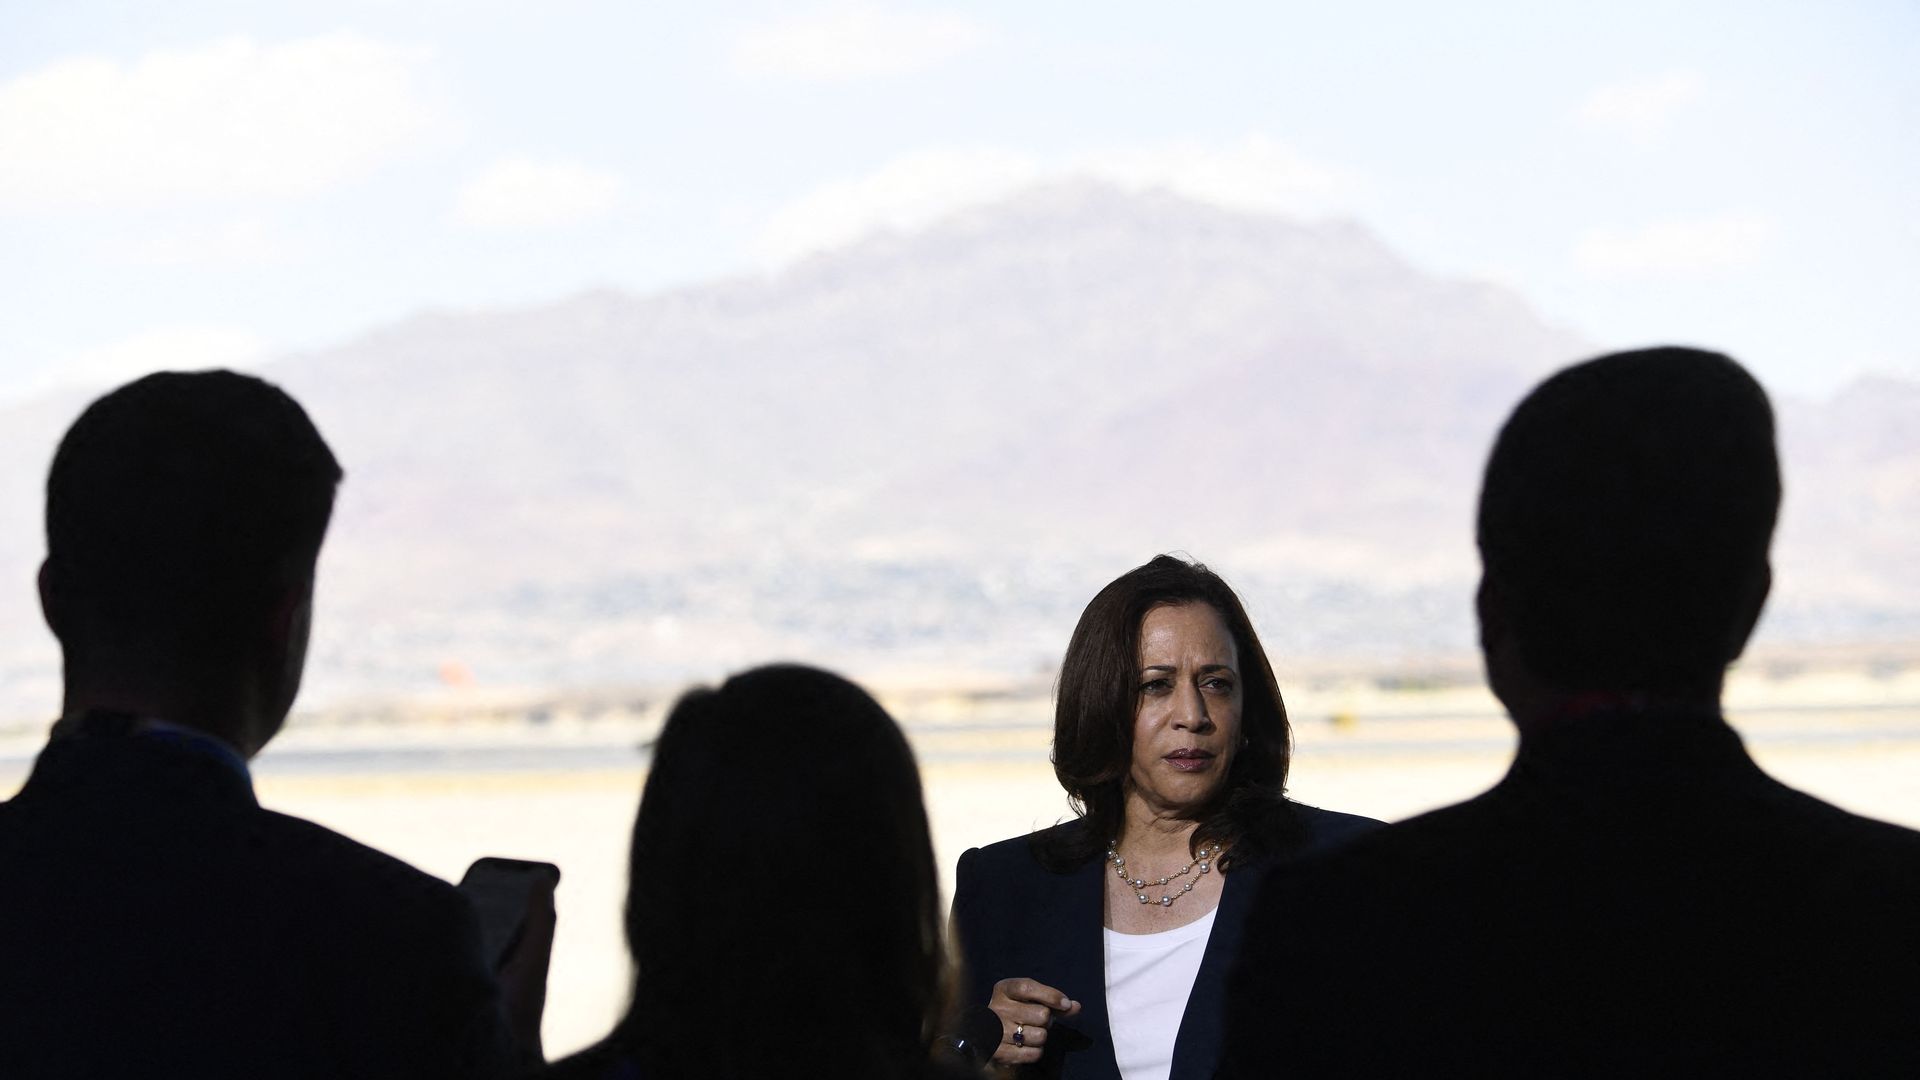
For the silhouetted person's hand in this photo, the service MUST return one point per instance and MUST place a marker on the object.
(523, 975)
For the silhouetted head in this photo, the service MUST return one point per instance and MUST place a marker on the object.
(1624, 525)
(184, 516)
(1105, 686)
(784, 909)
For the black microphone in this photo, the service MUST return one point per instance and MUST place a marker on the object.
(979, 1034)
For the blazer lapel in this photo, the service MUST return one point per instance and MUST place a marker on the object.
(1086, 963)
(1196, 1049)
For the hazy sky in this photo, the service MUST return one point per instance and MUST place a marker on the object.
(196, 182)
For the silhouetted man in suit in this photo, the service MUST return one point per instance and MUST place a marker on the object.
(154, 920)
(1636, 897)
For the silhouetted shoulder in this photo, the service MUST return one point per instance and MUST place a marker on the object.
(289, 950)
(1844, 827)
(348, 871)
(602, 1061)
(1325, 829)
(369, 903)
(1365, 843)
(1469, 930)
(349, 913)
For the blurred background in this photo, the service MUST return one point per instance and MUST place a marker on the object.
(662, 341)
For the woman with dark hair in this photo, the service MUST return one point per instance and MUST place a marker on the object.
(1103, 944)
(783, 906)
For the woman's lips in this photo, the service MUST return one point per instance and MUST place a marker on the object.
(1190, 760)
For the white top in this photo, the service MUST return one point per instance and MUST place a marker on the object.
(1149, 977)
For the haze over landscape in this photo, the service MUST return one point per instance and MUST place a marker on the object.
(662, 340)
(919, 454)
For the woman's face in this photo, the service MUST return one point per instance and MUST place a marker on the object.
(1186, 726)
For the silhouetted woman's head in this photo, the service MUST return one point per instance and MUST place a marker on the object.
(1100, 696)
(784, 909)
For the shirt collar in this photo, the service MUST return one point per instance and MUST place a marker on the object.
(99, 723)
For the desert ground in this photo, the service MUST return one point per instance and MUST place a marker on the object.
(565, 791)
(989, 780)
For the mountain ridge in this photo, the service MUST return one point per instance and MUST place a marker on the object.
(932, 448)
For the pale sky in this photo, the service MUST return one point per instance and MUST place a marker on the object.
(202, 183)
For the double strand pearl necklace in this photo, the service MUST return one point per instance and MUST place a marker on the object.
(1204, 860)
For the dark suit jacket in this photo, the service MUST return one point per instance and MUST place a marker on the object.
(1635, 898)
(156, 922)
(1017, 919)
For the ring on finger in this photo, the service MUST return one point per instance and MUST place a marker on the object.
(1019, 1034)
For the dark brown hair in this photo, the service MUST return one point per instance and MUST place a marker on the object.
(782, 868)
(1098, 697)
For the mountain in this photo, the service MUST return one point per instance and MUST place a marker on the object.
(1847, 558)
(928, 451)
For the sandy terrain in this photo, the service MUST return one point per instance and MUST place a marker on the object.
(981, 787)
(441, 795)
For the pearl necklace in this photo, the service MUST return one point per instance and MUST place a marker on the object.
(1203, 860)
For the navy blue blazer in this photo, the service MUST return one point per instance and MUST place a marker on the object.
(1017, 919)
(156, 921)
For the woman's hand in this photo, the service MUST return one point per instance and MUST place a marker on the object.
(1026, 1009)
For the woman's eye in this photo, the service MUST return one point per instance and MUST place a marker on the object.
(1224, 686)
(1154, 686)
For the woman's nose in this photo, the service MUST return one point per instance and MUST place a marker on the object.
(1190, 713)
